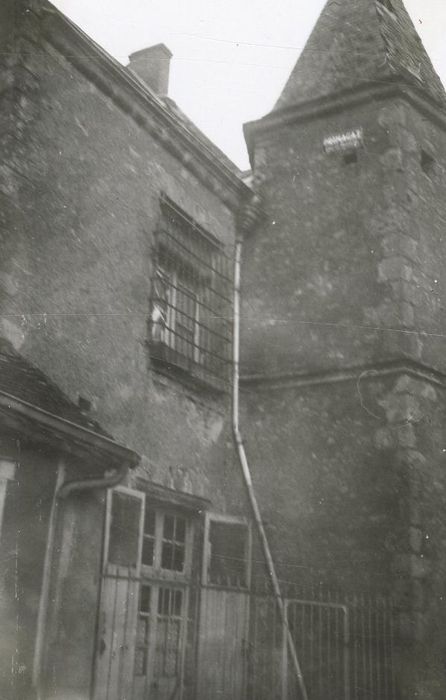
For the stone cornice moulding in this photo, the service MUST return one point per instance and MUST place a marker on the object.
(339, 102)
(291, 380)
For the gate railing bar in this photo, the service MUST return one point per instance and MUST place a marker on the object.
(285, 628)
(319, 606)
(378, 647)
(392, 651)
(346, 613)
(370, 645)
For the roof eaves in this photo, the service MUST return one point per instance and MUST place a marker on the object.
(162, 495)
(68, 430)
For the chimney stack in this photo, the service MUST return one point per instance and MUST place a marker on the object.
(152, 66)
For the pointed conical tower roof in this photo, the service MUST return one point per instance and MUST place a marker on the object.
(358, 42)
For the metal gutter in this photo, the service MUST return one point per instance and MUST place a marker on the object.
(68, 429)
(45, 590)
(108, 481)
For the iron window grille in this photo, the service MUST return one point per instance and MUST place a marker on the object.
(191, 311)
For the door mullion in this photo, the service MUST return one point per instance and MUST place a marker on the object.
(159, 522)
(150, 677)
(183, 637)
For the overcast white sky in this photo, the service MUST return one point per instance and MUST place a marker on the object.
(231, 57)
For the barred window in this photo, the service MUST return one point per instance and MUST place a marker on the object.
(191, 325)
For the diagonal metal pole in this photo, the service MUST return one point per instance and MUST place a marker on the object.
(248, 479)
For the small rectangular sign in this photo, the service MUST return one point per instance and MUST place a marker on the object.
(348, 141)
(7, 470)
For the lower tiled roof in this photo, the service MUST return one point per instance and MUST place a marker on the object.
(22, 380)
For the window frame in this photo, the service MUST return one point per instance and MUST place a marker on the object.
(156, 571)
(7, 474)
(152, 618)
(207, 554)
(203, 274)
(111, 567)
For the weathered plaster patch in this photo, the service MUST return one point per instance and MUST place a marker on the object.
(12, 332)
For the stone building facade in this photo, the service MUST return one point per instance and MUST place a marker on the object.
(118, 220)
(344, 322)
(126, 524)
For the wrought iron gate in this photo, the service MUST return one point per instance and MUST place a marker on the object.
(346, 650)
(321, 634)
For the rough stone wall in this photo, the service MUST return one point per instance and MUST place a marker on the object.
(8, 19)
(77, 275)
(415, 416)
(314, 244)
(81, 184)
(345, 273)
(422, 243)
(329, 496)
(350, 476)
(341, 285)
(17, 84)
(346, 269)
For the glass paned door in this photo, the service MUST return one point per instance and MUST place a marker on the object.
(144, 600)
(160, 642)
(163, 605)
(114, 662)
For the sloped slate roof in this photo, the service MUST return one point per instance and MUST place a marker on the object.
(25, 382)
(182, 117)
(113, 70)
(358, 42)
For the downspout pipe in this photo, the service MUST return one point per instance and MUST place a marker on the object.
(107, 482)
(241, 452)
(77, 486)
